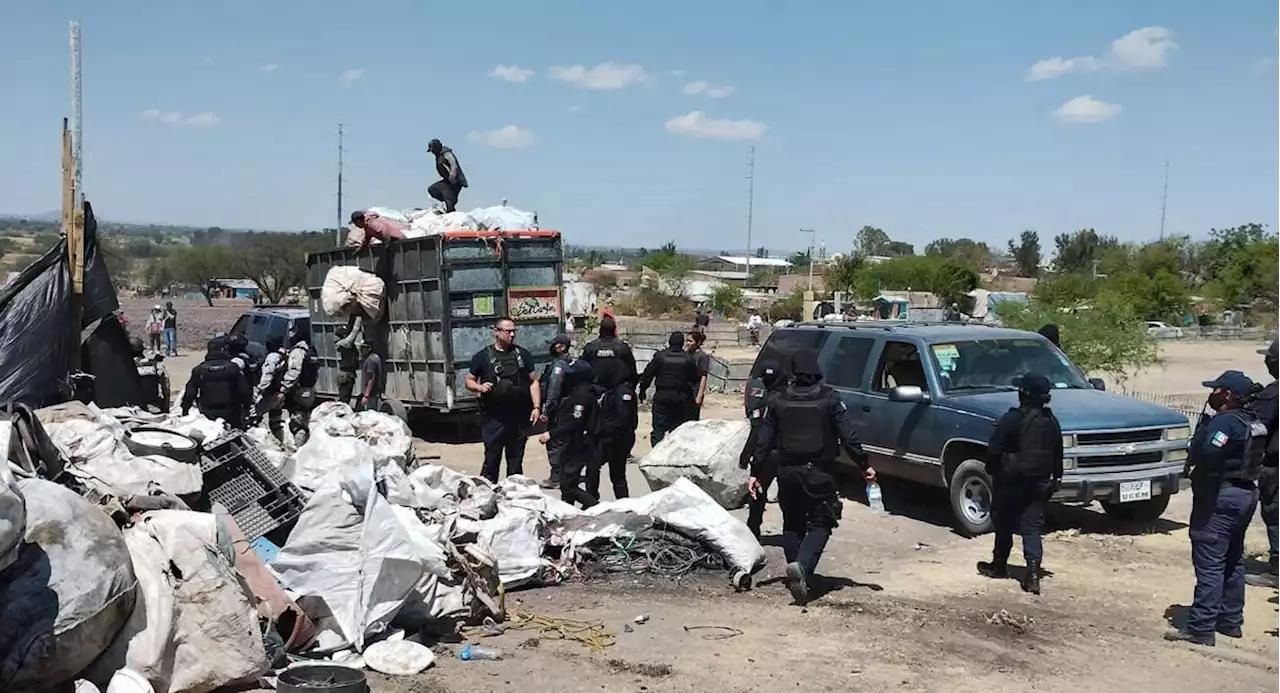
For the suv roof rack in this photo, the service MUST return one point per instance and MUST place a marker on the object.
(889, 325)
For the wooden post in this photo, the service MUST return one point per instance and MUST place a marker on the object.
(73, 229)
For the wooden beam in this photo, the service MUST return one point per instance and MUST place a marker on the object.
(73, 229)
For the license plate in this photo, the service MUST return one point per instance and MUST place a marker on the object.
(1135, 491)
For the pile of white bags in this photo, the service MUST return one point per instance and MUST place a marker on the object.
(349, 291)
(430, 222)
(13, 507)
(101, 461)
(705, 452)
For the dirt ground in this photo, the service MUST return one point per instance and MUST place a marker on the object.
(907, 610)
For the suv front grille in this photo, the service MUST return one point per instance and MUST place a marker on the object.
(1119, 460)
(1144, 435)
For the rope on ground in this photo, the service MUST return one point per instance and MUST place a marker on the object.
(591, 634)
(725, 632)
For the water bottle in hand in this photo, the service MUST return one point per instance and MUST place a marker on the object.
(875, 499)
(473, 653)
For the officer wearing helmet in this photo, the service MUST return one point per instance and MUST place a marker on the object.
(154, 377)
(1024, 460)
(806, 424)
(1265, 405)
(760, 387)
(1225, 460)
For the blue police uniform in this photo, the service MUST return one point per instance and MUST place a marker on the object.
(1225, 460)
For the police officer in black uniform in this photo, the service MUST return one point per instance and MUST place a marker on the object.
(614, 366)
(152, 374)
(806, 423)
(674, 375)
(1024, 460)
(218, 387)
(760, 387)
(574, 424)
(1266, 406)
(1225, 461)
(552, 382)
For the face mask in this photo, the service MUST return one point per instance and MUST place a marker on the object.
(1218, 400)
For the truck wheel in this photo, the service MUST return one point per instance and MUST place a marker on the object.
(1138, 512)
(155, 440)
(971, 498)
(394, 408)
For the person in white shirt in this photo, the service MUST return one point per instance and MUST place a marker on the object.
(754, 323)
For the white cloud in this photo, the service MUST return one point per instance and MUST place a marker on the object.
(175, 117)
(1149, 48)
(721, 92)
(1086, 109)
(512, 73)
(269, 67)
(604, 76)
(349, 77)
(573, 109)
(705, 89)
(697, 124)
(1263, 67)
(676, 73)
(695, 88)
(509, 137)
(206, 120)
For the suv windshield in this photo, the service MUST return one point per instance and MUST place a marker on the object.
(995, 363)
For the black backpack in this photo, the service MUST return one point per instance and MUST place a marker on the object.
(310, 368)
(618, 410)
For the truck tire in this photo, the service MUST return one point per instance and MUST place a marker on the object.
(155, 440)
(1138, 512)
(395, 408)
(970, 492)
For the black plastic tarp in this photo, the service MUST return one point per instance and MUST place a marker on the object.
(107, 355)
(36, 334)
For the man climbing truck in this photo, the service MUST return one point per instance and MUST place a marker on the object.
(926, 396)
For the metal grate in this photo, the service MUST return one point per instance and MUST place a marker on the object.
(1118, 460)
(1145, 435)
(240, 478)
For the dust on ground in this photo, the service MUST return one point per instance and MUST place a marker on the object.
(907, 610)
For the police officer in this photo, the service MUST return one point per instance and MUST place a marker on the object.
(218, 387)
(805, 423)
(1024, 460)
(298, 384)
(760, 387)
(573, 423)
(510, 399)
(614, 366)
(348, 364)
(1225, 460)
(267, 397)
(674, 375)
(552, 382)
(155, 379)
(1265, 405)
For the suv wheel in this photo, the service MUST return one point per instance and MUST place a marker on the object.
(971, 498)
(1138, 512)
(395, 408)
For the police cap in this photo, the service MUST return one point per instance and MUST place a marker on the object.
(1035, 385)
(1235, 382)
(1269, 352)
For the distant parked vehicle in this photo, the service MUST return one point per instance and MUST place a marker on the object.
(1163, 330)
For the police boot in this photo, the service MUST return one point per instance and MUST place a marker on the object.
(798, 583)
(997, 569)
(1267, 579)
(1031, 579)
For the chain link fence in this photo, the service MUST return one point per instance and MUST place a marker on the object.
(1188, 405)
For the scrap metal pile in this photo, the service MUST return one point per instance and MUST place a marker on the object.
(167, 550)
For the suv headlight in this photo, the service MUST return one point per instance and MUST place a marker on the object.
(1177, 433)
(1068, 442)
(1068, 463)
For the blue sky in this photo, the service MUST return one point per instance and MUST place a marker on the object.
(631, 126)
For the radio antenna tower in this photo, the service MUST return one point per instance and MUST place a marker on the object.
(76, 123)
(1164, 198)
(337, 228)
(751, 199)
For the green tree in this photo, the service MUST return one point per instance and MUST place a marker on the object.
(843, 272)
(787, 307)
(1107, 337)
(1241, 266)
(728, 298)
(1079, 251)
(667, 261)
(965, 251)
(871, 241)
(943, 277)
(1026, 254)
(1159, 296)
(277, 262)
(1065, 290)
(198, 266)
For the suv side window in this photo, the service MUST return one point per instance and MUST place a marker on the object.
(783, 344)
(241, 326)
(899, 365)
(849, 361)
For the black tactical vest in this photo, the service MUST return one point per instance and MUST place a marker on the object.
(1247, 465)
(673, 370)
(1037, 444)
(805, 429)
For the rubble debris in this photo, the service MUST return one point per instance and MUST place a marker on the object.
(1002, 617)
(705, 452)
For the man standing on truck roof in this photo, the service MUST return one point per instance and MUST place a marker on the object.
(366, 226)
(674, 376)
(615, 370)
(1225, 459)
(452, 179)
(510, 399)
(1266, 406)
(1024, 460)
(806, 423)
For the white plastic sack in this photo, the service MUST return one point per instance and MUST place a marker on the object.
(389, 213)
(388, 435)
(705, 452)
(684, 507)
(195, 628)
(357, 560)
(99, 459)
(325, 461)
(68, 593)
(503, 218)
(432, 224)
(349, 290)
(443, 490)
(515, 538)
(13, 507)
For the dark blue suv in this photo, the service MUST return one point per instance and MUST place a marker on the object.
(926, 396)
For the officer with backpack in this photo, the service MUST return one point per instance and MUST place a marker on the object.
(302, 369)
(575, 423)
(552, 384)
(268, 399)
(614, 366)
(770, 380)
(154, 377)
(510, 399)
(674, 375)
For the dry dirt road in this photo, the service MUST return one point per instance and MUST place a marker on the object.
(909, 612)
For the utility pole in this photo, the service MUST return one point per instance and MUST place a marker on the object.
(1164, 198)
(812, 241)
(77, 128)
(337, 229)
(751, 198)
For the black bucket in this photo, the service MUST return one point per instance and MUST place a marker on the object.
(321, 678)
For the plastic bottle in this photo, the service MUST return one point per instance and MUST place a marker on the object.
(475, 653)
(875, 499)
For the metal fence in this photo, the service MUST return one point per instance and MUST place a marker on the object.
(1188, 405)
(1217, 332)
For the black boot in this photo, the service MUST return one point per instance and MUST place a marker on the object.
(997, 569)
(1031, 579)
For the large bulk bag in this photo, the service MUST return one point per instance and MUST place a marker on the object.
(349, 291)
